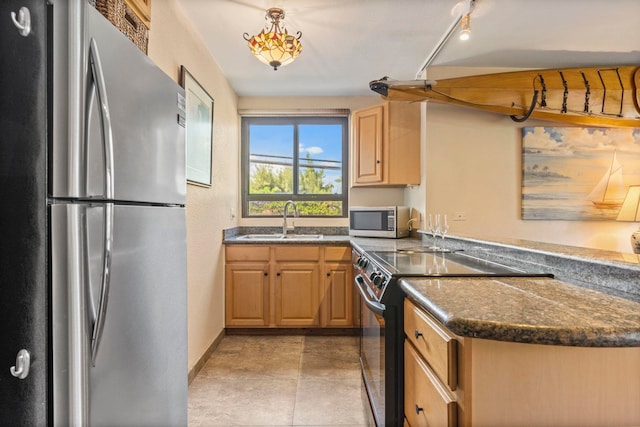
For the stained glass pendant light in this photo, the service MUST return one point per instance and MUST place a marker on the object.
(276, 47)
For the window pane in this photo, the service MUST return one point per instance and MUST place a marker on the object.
(320, 208)
(310, 208)
(271, 159)
(320, 154)
(294, 158)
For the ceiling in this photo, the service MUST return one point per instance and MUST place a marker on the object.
(348, 43)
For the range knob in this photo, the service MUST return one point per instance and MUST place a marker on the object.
(378, 281)
(373, 276)
(363, 262)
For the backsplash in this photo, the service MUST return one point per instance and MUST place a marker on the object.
(327, 231)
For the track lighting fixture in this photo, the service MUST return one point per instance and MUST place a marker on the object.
(465, 25)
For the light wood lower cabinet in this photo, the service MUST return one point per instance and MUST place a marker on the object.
(507, 384)
(247, 286)
(427, 401)
(430, 371)
(297, 296)
(288, 286)
(337, 298)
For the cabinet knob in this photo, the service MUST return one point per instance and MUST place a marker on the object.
(278, 274)
(418, 409)
(266, 274)
(329, 274)
(417, 333)
(377, 162)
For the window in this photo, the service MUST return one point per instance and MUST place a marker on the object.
(294, 158)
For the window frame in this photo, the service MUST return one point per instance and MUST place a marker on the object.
(247, 121)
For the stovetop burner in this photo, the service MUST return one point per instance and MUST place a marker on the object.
(380, 270)
(413, 263)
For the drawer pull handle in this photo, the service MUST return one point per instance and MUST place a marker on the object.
(417, 333)
(418, 409)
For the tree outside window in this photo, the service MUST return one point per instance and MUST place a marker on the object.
(294, 158)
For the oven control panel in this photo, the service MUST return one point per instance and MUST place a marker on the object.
(374, 277)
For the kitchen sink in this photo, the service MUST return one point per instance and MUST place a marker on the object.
(302, 236)
(280, 236)
(260, 236)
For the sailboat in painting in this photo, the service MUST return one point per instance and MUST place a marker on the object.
(610, 191)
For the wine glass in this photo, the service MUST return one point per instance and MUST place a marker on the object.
(444, 227)
(433, 229)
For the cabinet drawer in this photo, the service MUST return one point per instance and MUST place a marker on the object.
(337, 253)
(435, 344)
(426, 401)
(246, 253)
(296, 253)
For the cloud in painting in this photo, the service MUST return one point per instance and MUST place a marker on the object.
(569, 140)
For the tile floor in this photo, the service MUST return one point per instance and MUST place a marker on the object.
(279, 381)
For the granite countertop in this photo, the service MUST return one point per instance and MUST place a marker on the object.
(324, 240)
(330, 236)
(593, 301)
(528, 310)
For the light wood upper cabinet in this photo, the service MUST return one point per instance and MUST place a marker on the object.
(142, 8)
(386, 145)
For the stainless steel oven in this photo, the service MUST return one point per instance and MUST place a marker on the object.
(380, 330)
(381, 316)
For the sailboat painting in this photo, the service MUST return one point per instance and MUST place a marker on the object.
(577, 173)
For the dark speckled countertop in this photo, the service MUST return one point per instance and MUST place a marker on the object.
(593, 301)
(528, 310)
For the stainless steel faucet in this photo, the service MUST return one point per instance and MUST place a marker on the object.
(286, 228)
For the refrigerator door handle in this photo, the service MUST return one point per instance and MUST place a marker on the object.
(98, 326)
(97, 75)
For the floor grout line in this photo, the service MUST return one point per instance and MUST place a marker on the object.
(315, 354)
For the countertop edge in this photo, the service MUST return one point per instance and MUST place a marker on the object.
(513, 332)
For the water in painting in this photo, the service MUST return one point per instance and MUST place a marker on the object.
(573, 173)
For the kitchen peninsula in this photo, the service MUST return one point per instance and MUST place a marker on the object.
(523, 350)
(518, 350)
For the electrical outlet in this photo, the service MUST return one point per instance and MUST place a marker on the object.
(459, 216)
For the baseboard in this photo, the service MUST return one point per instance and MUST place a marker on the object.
(294, 331)
(193, 372)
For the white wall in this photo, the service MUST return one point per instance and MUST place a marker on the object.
(473, 165)
(174, 42)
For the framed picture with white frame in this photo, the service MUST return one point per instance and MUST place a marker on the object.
(199, 130)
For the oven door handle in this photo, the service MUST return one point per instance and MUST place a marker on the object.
(374, 306)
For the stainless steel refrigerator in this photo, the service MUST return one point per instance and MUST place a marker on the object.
(94, 212)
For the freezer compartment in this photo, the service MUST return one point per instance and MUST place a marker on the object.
(133, 145)
(138, 373)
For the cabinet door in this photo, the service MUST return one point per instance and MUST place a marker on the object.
(297, 294)
(337, 301)
(247, 294)
(426, 400)
(369, 128)
(142, 9)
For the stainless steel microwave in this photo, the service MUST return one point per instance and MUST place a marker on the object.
(379, 221)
